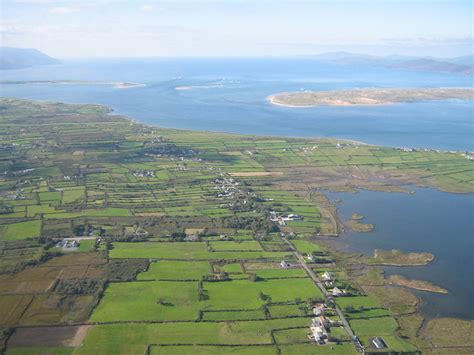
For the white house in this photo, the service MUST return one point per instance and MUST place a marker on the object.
(336, 292)
(326, 276)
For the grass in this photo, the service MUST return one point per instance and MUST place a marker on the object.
(133, 338)
(397, 344)
(245, 245)
(310, 349)
(244, 294)
(292, 336)
(232, 268)
(50, 350)
(214, 350)
(21, 230)
(374, 312)
(233, 315)
(73, 194)
(182, 251)
(141, 301)
(358, 301)
(285, 310)
(86, 245)
(176, 270)
(374, 326)
(280, 273)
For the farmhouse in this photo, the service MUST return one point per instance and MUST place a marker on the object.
(318, 309)
(379, 343)
(319, 328)
(337, 292)
(327, 276)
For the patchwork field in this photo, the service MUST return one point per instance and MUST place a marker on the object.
(168, 241)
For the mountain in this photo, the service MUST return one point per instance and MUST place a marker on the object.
(17, 58)
(460, 65)
(465, 60)
(433, 65)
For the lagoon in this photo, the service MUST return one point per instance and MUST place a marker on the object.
(426, 221)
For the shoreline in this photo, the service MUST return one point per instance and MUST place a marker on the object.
(193, 135)
(272, 99)
(114, 84)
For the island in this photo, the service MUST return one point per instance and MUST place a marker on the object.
(356, 224)
(368, 96)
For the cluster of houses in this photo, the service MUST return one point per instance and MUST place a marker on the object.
(308, 149)
(18, 172)
(320, 324)
(68, 244)
(283, 219)
(13, 195)
(143, 173)
(468, 156)
(407, 150)
(329, 280)
(228, 187)
(129, 231)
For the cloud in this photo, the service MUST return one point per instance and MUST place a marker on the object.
(62, 10)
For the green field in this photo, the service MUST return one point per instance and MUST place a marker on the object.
(21, 230)
(140, 301)
(183, 251)
(189, 256)
(176, 270)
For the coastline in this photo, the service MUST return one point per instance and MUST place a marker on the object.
(114, 84)
(166, 134)
(368, 96)
(272, 99)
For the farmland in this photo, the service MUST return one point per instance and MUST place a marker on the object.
(188, 241)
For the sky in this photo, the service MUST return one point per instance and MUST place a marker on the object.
(230, 28)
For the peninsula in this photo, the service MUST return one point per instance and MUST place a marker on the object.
(368, 96)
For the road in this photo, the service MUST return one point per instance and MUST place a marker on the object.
(320, 285)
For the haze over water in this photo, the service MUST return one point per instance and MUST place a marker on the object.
(230, 95)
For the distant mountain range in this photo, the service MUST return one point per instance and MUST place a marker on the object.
(461, 65)
(17, 58)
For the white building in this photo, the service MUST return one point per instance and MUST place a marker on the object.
(326, 276)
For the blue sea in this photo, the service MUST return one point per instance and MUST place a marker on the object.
(229, 95)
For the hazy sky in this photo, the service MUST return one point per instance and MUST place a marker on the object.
(121, 28)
